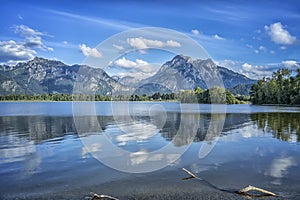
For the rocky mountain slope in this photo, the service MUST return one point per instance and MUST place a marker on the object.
(40, 76)
(184, 73)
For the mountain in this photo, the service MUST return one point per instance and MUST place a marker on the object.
(40, 76)
(184, 73)
(129, 81)
(241, 89)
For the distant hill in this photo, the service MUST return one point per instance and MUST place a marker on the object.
(43, 76)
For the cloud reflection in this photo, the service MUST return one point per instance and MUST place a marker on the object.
(17, 149)
(137, 131)
(279, 168)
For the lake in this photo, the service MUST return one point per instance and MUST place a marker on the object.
(136, 150)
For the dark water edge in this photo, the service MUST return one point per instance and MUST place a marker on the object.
(166, 185)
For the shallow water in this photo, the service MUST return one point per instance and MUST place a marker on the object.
(57, 150)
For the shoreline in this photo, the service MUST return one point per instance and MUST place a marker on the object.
(171, 101)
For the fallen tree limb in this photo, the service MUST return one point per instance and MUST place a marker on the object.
(102, 196)
(252, 188)
(243, 191)
(190, 173)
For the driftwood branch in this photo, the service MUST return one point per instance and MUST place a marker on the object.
(189, 173)
(245, 191)
(102, 197)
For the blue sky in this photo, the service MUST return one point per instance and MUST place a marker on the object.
(250, 37)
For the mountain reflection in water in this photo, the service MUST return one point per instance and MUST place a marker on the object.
(186, 127)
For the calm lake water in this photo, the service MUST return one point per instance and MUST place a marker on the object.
(47, 153)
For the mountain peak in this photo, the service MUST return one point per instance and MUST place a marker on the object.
(182, 57)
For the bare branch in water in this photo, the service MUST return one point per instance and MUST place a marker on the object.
(190, 173)
(245, 191)
(102, 197)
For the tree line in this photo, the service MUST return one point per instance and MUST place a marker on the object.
(198, 95)
(282, 88)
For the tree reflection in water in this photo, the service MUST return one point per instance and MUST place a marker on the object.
(284, 126)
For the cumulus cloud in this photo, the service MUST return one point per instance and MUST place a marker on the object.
(26, 31)
(123, 62)
(12, 51)
(143, 43)
(217, 37)
(172, 43)
(33, 38)
(88, 51)
(138, 68)
(129, 64)
(195, 32)
(251, 71)
(256, 71)
(290, 64)
(279, 35)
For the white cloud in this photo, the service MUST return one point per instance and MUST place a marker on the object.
(119, 47)
(138, 64)
(290, 63)
(172, 43)
(123, 62)
(247, 66)
(256, 51)
(88, 51)
(195, 32)
(272, 52)
(143, 43)
(231, 64)
(262, 48)
(256, 71)
(139, 68)
(251, 71)
(26, 31)
(279, 35)
(217, 37)
(283, 48)
(14, 51)
(32, 38)
(65, 42)
(50, 49)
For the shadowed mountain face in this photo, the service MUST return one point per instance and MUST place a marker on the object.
(42, 76)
